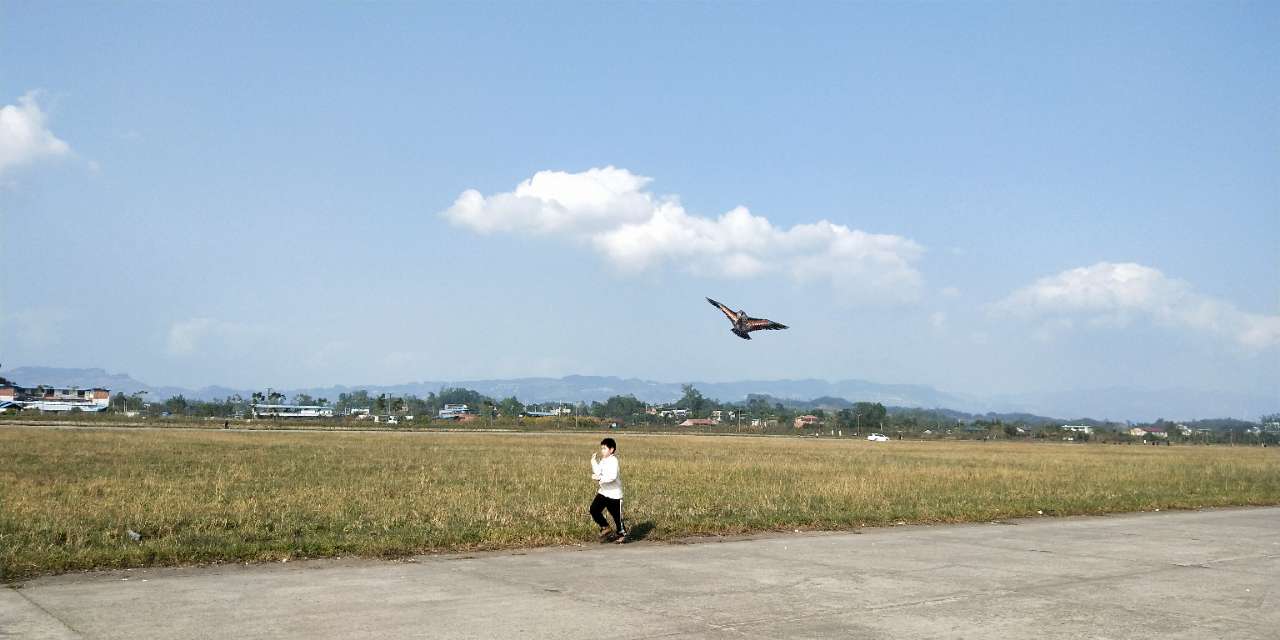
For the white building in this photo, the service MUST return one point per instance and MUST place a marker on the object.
(45, 398)
(453, 411)
(719, 416)
(1077, 428)
(291, 411)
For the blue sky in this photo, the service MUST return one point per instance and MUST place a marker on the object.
(988, 198)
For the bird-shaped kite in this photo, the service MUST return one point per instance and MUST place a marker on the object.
(744, 324)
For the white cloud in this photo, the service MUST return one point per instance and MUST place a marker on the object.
(1259, 332)
(36, 328)
(202, 335)
(402, 359)
(330, 355)
(553, 201)
(938, 320)
(24, 137)
(1051, 328)
(1115, 295)
(609, 210)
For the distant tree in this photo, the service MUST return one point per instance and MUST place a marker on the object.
(414, 405)
(354, 400)
(176, 405)
(845, 418)
(210, 409)
(692, 400)
(234, 404)
(121, 402)
(622, 406)
(511, 407)
(463, 396)
(869, 415)
(758, 405)
(303, 399)
(908, 423)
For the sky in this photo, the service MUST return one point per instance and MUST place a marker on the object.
(987, 198)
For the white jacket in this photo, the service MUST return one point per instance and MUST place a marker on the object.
(606, 472)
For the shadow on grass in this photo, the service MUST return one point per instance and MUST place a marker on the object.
(640, 531)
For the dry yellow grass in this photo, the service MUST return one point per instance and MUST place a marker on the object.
(67, 496)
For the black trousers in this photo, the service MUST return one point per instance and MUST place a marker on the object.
(615, 509)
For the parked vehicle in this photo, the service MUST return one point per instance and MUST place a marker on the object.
(878, 437)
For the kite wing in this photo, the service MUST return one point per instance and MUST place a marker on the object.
(756, 324)
(733, 317)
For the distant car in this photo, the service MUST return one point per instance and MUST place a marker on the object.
(878, 437)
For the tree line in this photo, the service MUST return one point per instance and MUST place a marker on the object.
(775, 415)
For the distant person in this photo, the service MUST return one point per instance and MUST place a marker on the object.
(609, 496)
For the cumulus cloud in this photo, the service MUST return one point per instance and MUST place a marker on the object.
(198, 335)
(36, 328)
(554, 201)
(611, 211)
(24, 136)
(1117, 294)
(938, 320)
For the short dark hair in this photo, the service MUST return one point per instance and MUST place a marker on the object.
(608, 442)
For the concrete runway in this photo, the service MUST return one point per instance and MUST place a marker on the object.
(1202, 574)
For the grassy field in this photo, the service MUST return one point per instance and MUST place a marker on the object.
(67, 496)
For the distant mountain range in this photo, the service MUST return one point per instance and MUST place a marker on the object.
(1108, 403)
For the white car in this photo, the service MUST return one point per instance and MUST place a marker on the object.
(878, 437)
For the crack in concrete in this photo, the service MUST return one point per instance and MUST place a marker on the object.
(571, 594)
(47, 612)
